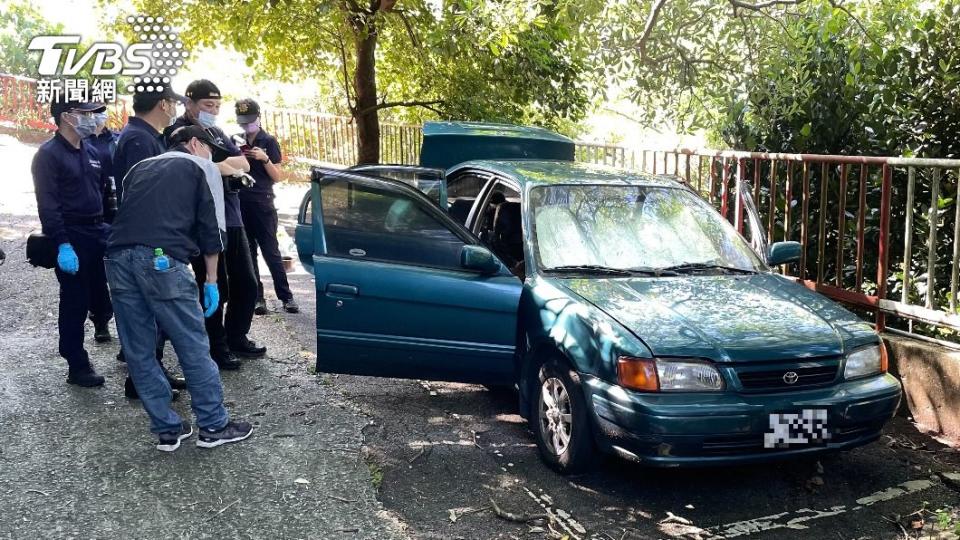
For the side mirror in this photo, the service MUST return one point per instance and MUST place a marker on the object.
(480, 259)
(783, 253)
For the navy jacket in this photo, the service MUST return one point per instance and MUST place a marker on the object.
(138, 141)
(69, 184)
(263, 189)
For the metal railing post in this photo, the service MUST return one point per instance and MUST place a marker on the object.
(883, 249)
(933, 219)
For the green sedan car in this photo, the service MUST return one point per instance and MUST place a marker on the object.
(631, 317)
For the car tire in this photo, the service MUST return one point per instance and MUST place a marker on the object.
(558, 417)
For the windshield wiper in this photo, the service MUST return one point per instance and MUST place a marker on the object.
(693, 267)
(598, 269)
(591, 269)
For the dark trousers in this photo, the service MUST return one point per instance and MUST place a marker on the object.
(237, 284)
(260, 221)
(80, 293)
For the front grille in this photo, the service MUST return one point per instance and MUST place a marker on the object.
(776, 380)
(735, 445)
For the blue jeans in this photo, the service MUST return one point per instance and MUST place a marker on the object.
(145, 299)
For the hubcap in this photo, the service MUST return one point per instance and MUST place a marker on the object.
(556, 422)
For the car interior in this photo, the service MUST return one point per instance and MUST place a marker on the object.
(500, 227)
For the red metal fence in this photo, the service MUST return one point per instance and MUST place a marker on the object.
(879, 233)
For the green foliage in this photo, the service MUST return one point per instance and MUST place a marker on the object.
(512, 61)
(20, 21)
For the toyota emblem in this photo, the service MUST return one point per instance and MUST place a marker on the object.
(791, 377)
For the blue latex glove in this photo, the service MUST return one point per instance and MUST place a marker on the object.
(67, 259)
(211, 299)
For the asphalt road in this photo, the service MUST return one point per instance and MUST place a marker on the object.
(353, 457)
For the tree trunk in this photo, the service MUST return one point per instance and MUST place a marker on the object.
(365, 112)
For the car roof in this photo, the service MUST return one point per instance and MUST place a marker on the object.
(538, 172)
(489, 129)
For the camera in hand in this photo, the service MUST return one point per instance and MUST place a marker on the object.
(239, 181)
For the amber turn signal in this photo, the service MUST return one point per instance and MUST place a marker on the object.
(638, 374)
(884, 357)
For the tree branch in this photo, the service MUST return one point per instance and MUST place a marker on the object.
(648, 28)
(763, 5)
(406, 22)
(345, 73)
(389, 104)
(836, 4)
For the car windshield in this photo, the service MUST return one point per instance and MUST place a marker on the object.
(641, 228)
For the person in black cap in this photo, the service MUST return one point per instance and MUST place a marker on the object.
(140, 139)
(69, 183)
(172, 212)
(237, 281)
(256, 203)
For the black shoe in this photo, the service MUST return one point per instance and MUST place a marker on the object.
(101, 332)
(261, 308)
(130, 391)
(226, 362)
(248, 349)
(170, 441)
(290, 306)
(86, 378)
(232, 432)
(176, 382)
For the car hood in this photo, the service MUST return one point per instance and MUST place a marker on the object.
(726, 318)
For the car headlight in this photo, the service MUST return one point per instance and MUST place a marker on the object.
(664, 375)
(866, 361)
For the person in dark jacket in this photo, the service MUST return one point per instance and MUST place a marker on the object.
(172, 212)
(141, 139)
(69, 183)
(104, 140)
(256, 203)
(228, 327)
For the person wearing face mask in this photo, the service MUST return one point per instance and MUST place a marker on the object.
(104, 140)
(69, 182)
(256, 203)
(141, 139)
(172, 212)
(227, 328)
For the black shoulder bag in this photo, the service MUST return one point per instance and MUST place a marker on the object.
(41, 250)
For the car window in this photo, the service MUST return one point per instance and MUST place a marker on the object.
(428, 181)
(361, 221)
(462, 192)
(633, 227)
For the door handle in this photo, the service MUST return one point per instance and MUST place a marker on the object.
(339, 289)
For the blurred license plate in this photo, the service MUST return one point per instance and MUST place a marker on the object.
(807, 427)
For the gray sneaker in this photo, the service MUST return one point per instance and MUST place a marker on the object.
(170, 441)
(232, 432)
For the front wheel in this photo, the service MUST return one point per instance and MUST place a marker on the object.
(559, 420)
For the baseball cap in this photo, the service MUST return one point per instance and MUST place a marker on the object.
(63, 105)
(202, 89)
(151, 98)
(247, 111)
(184, 134)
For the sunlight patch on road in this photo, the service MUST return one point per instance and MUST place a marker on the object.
(799, 519)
